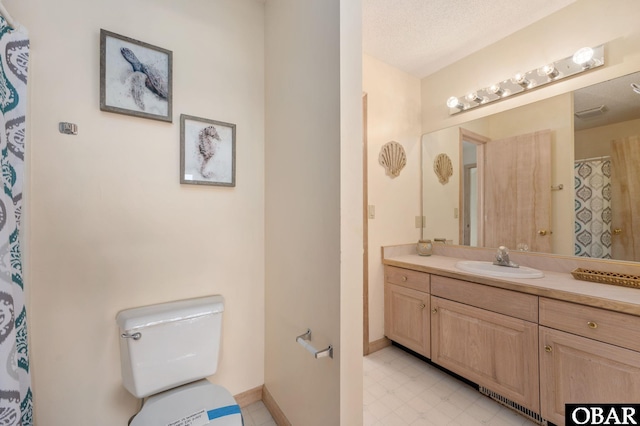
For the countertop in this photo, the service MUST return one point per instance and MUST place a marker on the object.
(555, 285)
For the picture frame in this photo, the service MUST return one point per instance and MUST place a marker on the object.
(135, 77)
(207, 151)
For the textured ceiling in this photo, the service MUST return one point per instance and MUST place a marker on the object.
(421, 37)
(620, 102)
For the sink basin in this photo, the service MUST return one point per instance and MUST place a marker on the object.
(489, 269)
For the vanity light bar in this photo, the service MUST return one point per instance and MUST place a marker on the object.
(584, 59)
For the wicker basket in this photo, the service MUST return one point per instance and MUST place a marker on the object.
(614, 278)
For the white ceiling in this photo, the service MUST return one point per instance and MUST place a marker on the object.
(620, 102)
(421, 37)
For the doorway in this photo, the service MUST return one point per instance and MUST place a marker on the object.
(472, 146)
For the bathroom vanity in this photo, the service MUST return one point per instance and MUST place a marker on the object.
(539, 343)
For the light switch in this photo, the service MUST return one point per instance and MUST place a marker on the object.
(419, 221)
(372, 211)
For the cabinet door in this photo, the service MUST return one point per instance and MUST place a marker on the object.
(406, 318)
(493, 350)
(577, 370)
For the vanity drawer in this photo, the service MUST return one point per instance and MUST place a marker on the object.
(595, 323)
(507, 302)
(407, 278)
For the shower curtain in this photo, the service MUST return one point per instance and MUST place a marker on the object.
(16, 407)
(593, 208)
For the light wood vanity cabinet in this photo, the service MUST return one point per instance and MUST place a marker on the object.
(406, 309)
(486, 343)
(587, 355)
(539, 352)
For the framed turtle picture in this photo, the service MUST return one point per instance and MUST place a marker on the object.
(135, 77)
(207, 151)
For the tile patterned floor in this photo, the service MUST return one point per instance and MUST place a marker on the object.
(257, 414)
(401, 390)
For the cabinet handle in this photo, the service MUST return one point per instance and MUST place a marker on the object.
(434, 311)
(404, 278)
(542, 232)
(422, 306)
(592, 325)
(548, 349)
(617, 231)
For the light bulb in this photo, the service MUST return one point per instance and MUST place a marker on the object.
(521, 80)
(550, 71)
(496, 90)
(584, 57)
(454, 102)
(473, 97)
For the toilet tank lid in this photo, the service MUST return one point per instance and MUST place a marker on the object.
(146, 316)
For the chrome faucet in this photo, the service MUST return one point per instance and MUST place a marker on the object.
(502, 258)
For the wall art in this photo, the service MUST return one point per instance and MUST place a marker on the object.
(393, 158)
(207, 151)
(443, 168)
(135, 77)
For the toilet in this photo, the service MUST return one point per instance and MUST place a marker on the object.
(166, 351)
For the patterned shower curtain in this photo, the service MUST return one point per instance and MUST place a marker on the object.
(593, 208)
(16, 407)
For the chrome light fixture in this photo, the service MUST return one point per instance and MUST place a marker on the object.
(582, 60)
(584, 57)
(454, 102)
(521, 80)
(473, 97)
(496, 89)
(550, 71)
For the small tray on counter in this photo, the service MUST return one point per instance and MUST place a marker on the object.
(613, 278)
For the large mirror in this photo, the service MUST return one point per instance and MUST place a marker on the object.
(559, 176)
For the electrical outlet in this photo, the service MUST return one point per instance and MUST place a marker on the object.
(455, 212)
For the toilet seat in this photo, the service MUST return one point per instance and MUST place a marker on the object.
(197, 401)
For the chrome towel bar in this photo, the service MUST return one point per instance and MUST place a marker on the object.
(304, 340)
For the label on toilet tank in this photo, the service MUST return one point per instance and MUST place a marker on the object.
(196, 419)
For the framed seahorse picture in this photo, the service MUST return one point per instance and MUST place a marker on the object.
(135, 77)
(207, 151)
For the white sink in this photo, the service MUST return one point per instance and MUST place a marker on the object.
(489, 269)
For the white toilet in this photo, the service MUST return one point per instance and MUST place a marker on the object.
(166, 351)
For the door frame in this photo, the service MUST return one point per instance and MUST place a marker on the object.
(480, 141)
(365, 233)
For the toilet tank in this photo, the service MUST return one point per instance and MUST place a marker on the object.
(166, 345)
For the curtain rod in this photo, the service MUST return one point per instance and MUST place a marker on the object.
(6, 16)
(605, 157)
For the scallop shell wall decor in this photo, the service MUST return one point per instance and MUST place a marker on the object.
(443, 168)
(393, 158)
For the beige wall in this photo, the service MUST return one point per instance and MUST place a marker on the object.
(440, 199)
(110, 227)
(302, 184)
(596, 142)
(351, 222)
(393, 114)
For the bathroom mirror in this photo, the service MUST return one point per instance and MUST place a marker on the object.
(559, 176)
